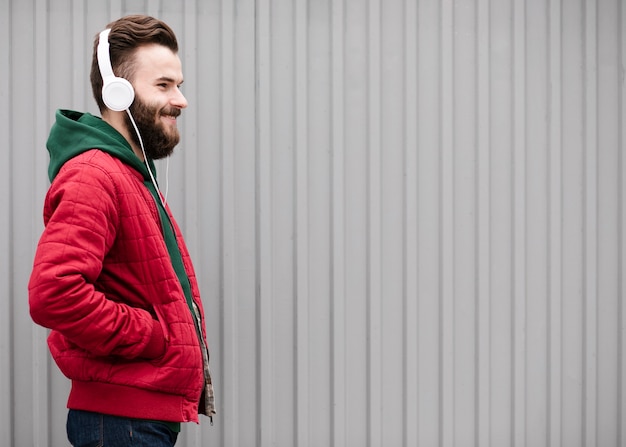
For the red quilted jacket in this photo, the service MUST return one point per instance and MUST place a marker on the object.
(104, 283)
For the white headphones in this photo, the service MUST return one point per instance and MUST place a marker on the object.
(117, 93)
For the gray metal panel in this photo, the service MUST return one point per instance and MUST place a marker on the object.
(407, 218)
(6, 202)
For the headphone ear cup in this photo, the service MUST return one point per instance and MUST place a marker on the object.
(117, 93)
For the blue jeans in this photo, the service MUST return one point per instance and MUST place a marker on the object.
(86, 429)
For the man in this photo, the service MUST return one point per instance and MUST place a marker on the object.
(112, 276)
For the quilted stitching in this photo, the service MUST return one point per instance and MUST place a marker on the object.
(103, 240)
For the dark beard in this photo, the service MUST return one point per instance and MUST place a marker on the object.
(157, 141)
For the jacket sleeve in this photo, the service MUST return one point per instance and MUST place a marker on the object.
(81, 216)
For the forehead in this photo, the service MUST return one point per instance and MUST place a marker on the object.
(155, 62)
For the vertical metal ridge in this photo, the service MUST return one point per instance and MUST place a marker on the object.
(374, 225)
(264, 261)
(41, 416)
(519, 213)
(621, 240)
(302, 251)
(410, 228)
(154, 7)
(573, 225)
(80, 47)
(7, 384)
(190, 123)
(483, 227)
(42, 116)
(229, 289)
(116, 9)
(511, 243)
(338, 229)
(590, 224)
(429, 263)
(446, 220)
(21, 217)
(463, 175)
(555, 277)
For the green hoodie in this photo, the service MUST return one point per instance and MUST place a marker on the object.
(74, 133)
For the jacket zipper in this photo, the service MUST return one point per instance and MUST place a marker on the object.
(208, 387)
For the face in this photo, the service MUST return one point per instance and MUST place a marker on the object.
(158, 100)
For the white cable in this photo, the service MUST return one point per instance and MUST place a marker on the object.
(143, 151)
(167, 177)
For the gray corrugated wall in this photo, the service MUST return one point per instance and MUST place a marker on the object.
(407, 217)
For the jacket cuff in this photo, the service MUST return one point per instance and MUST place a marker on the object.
(156, 345)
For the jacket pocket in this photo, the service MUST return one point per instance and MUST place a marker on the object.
(162, 322)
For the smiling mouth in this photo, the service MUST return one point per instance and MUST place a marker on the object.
(169, 119)
(171, 114)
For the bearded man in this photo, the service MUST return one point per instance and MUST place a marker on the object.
(112, 276)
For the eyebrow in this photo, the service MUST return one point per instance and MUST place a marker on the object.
(168, 79)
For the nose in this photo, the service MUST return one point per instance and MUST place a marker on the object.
(178, 99)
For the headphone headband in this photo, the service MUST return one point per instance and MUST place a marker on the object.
(104, 60)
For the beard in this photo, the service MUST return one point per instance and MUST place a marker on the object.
(158, 140)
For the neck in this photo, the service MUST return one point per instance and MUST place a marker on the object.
(117, 120)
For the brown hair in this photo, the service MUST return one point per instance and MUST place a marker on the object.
(127, 34)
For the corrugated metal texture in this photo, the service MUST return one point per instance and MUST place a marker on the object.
(407, 217)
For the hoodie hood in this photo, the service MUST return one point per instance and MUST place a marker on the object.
(74, 133)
